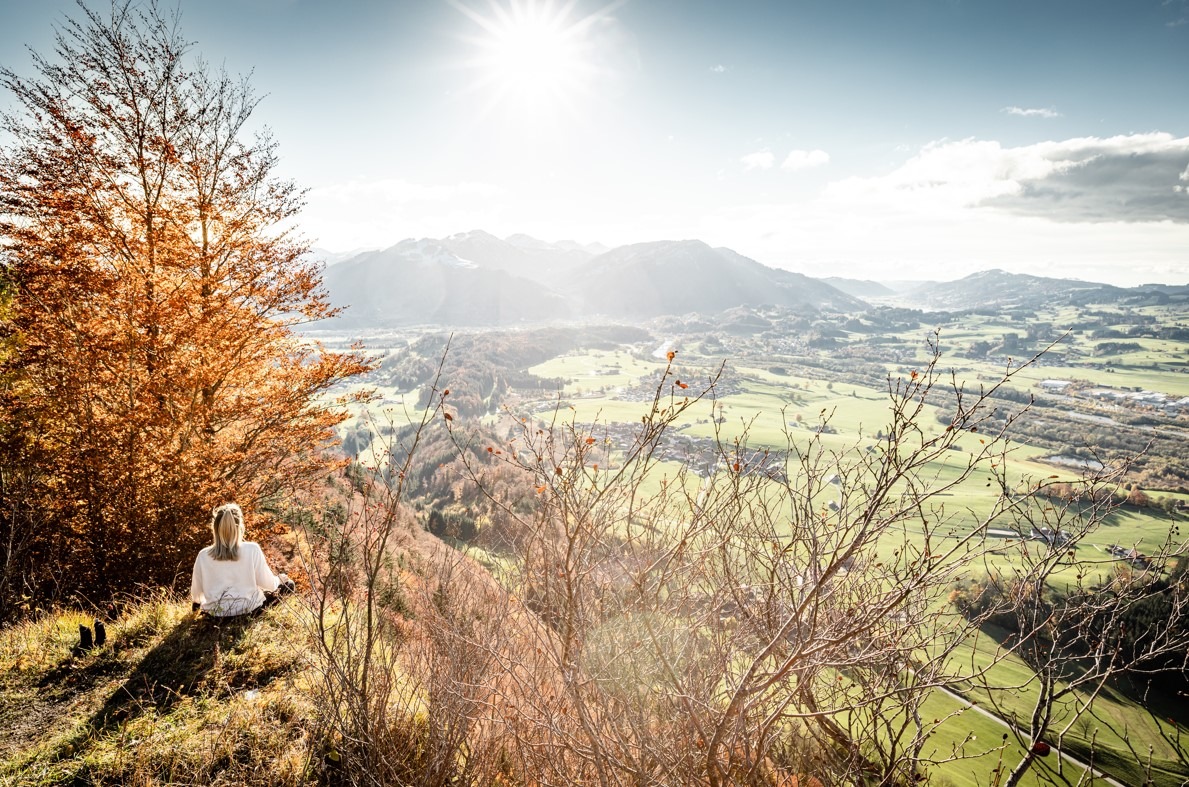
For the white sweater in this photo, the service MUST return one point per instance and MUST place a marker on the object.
(232, 587)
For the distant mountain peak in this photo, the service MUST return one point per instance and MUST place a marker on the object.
(480, 235)
(423, 251)
(425, 281)
(997, 288)
(527, 241)
(685, 276)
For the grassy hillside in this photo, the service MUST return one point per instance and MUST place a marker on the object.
(176, 699)
(169, 699)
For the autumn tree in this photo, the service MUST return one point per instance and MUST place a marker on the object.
(156, 279)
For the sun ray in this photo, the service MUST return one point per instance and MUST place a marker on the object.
(533, 57)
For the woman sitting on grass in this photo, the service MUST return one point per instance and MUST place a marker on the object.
(231, 576)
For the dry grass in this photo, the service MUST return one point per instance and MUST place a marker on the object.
(170, 699)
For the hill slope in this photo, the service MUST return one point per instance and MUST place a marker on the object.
(170, 699)
(519, 255)
(1000, 289)
(859, 288)
(678, 277)
(423, 281)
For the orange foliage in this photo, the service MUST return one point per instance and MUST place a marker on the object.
(153, 371)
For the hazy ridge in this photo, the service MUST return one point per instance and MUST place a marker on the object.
(476, 279)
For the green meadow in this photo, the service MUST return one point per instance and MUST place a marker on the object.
(1125, 733)
(779, 410)
(782, 400)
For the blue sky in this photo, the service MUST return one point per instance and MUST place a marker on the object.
(877, 139)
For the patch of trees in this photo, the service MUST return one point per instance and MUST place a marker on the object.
(747, 324)
(1131, 494)
(1009, 344)
(1143, 620)
(356, 439)
(1175, 333)
(894, 319)
(1106, 333)
(1116, 348)
(1152, 613)
(992, 600)
(979, 349)
(466, 492)
(820, 341)
(1008, 394)
(481, 368)
(848, 365)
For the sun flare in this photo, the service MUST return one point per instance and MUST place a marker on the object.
(533, 55)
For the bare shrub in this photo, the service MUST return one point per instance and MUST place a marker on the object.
(771, 617)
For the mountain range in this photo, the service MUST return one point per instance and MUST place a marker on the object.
(426, 282)
(476, 279)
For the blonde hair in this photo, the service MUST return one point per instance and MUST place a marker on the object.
(227, 526)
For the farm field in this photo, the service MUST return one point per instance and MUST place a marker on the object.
(766, 410)
(774, 393)
(779, 411)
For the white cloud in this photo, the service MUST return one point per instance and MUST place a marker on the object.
(719, 69)
(1032, 113)
(1182, 7)
(795, 160)
(1088, 179)
(761, 159)
(805, 159)
(944, 175)
(1098, 209)
(885, 242)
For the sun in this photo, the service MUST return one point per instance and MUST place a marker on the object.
(534, 55)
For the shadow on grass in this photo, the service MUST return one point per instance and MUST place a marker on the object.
(1161, 693)
(1160, 696)
(174, 669)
